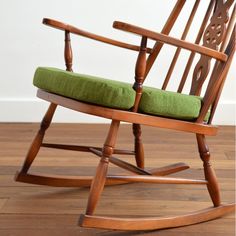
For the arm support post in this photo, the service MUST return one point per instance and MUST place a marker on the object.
(68, 55)
(140, 70)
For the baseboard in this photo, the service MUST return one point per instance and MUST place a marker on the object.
(32, 110)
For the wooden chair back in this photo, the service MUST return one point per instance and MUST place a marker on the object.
(216, 35)
(217, 31)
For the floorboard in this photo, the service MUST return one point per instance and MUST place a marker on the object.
(39, 210)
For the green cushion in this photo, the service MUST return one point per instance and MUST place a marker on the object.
(169, 104)
(85, 88)
(116, 94)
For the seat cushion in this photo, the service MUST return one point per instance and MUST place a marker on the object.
(114, 94)
(85, 88)
(170, 104)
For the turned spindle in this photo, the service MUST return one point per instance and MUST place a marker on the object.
(68, 55)
(140, 70)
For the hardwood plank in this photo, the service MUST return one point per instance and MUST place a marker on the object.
(117, 207)
(38, 210)
(2, 202)
(73, 232)
(48, 232)
(66, 224)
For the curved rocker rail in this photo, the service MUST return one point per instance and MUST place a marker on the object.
(154, 223)
(85, 181)
(60, 181)
(127, 116)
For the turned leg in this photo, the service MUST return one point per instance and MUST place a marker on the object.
(36, 144)
(101, 172)
(138, 145)
(210, 176)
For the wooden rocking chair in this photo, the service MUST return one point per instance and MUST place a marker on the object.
(140, 105)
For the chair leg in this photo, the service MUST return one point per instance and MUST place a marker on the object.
(36, 144)
(138, 146)
(210, 176)
(101, 172)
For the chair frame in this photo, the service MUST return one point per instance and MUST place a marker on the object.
(139, 173)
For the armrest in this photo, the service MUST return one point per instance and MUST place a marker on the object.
(74, 30)
(170, 40)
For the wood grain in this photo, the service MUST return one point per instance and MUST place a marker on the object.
(37, 210)
(71, 29)
(128, 116)
(169, 40)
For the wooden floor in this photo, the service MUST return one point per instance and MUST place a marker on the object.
(35, 210)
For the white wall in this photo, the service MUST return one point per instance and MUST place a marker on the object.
(25, 44)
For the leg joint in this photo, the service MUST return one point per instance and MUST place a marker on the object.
(107, 151)
(205, 156)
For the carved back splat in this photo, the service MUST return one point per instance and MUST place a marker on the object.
(212, 38)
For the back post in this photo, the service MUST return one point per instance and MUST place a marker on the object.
(137, 132)
(166, 30)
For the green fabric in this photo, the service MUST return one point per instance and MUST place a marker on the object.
(85, 88)
(170, 104)
(116, 94)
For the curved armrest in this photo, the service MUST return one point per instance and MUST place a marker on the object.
(170, 40)
(74, 30)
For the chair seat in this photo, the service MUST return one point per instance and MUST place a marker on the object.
(115, 94)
